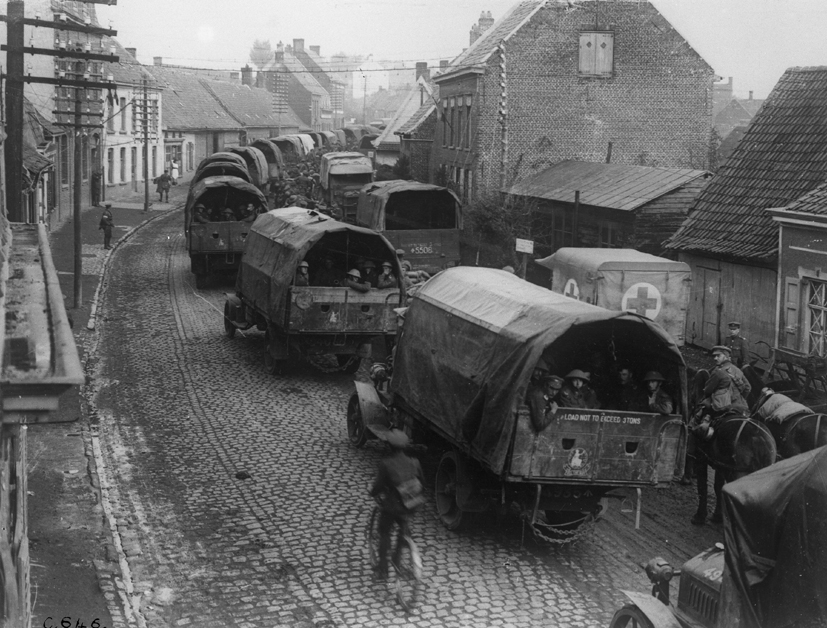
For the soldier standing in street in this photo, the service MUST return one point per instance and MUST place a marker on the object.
(162, 185)
(107, 223)
(738, 345)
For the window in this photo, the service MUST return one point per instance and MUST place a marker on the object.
(817, 318)
(451, 126)
(460, 126)
(64, 160)
(468, 122)
(155, 161)
(561, 229)
(445, 122)
(596, 54)
(123, 165)
(110, 165)
(110, 120)
(123, 115)
(190, 156)
(610, 235)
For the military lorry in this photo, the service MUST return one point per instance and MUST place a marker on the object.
(625, 280)
(326, 316)
(423, 220)
(341, 177)
(216, 245)
(463, 362)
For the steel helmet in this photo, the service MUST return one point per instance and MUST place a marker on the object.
(542, 365)
(653, 376)
(578, 374)
(388, 264)
(304, 265)
(355, 273)
(398, 439)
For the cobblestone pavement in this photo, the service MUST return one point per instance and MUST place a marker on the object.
(238, 501)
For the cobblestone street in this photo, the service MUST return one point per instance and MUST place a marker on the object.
(238, 500)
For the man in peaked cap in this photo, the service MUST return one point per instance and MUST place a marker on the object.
(738, 345)
(739, 385)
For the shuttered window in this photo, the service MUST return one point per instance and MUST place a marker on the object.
(789, 334)
(596, 54)
(817, 318)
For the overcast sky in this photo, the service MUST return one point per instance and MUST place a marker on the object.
(753, 41)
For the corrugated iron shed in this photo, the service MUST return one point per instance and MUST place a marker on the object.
(782, 156)
(615, 186)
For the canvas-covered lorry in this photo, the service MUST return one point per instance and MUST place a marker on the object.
(423, 220)
(463, 363)
(626, 280)
(341, 176)
(322, 314)
(215, 237)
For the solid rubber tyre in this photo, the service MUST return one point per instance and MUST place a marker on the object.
(630, 616)
(229, 328)
(357, 433)
(445, 491)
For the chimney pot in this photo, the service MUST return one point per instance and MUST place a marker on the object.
(247, 75)
(298, 45)
(132, 51)
(317, 50)
(422, 70)
(750, 94)
(157, 60)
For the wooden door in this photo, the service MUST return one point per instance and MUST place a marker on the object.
(710, 306)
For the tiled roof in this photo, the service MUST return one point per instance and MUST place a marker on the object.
(251, 106)
(813, 202)
(616, 186)
(479, 52)
(306, 78)
(127, 71)
(388, 138)
(186, 103)
(782, 155)
(420, 115)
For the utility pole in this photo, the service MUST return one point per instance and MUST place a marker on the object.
(16, 21)
(146, 147)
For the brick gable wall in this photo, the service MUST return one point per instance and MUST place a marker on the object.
(656, 109)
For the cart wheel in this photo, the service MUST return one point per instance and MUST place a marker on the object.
(229, 328)
(200, 281)
(372, 537)
(357, 433)
(630, 616)
(445, 491)
(349, 363)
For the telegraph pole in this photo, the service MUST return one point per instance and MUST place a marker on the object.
(14, 109)
(146, 114)
(77, 174)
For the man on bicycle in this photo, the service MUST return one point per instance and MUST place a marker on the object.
(398, 489)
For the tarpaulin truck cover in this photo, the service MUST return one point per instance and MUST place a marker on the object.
(343, 163)
(280, 239)
(625, 279)
(472, 337)
(373, 201)
(775, 534)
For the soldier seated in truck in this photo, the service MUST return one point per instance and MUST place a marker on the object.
(302, 278)
(328, 275)
(200, 214)
(387, 279)
(354, 280)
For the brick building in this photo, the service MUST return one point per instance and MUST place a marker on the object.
(555, 80)
(416, 138)
(729, 240)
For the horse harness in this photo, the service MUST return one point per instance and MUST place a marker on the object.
(744, 420)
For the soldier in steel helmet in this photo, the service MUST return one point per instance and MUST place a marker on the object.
(354, 280)
(398, 488)
(657, 399)
(302, 276)
(541, 396)
(576, 392)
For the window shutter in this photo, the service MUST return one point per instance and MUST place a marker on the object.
(792, 300)
(603, 53)
(587, 52)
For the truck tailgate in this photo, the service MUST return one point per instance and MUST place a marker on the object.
(342, 310)
(218, 237)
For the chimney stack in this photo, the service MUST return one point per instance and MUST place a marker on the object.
(298, 45)
(279, 52)
(132, 51)
(422, 70)
(317, 50)
(247, 75)
(443, 65)
(750, 94)
(157, 60)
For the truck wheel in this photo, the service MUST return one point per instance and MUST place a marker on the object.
(229, 328)
(272, 365)
(349, 363)
(357, 433)
(630, 616)
(445, 491)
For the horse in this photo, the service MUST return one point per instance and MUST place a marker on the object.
(739, 446)
(794, 426)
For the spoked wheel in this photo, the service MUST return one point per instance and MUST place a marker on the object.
(372, 538)
(445, 491)
(356, 431)
(408, 575)
(349, 363)
(229, 328)
(630, 617)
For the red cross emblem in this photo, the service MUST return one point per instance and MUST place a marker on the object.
(643, 299)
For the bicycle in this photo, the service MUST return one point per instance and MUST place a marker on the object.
(407, 573)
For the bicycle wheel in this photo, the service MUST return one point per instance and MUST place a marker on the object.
(408, 575)
(372, 537)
